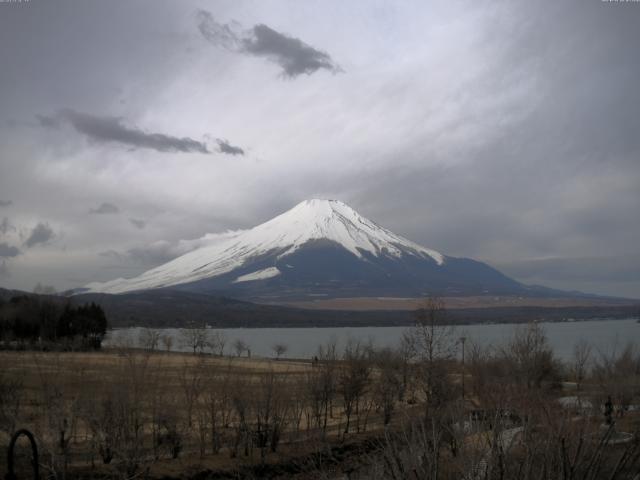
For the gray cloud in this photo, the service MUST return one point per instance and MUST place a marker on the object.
(112, 254)
(8, 251)
(5, 203)
(6, 226)
(153, 254)
(40, 234)
(138, 223)
(105, 209)
(225, 147)
(162, 251)
(44, 289)
(596, 269)
(293, 55)
(111, 129)
(48, 121)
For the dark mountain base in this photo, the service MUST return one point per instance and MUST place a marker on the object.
(324, 268)
(170, 308)
(179, 309)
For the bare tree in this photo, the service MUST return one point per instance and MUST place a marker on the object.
(269, 408)
(149, 339)
(131, 397)
(195, 338)
(241, 399)
(353, 379)
(191, 383)
(167, 341)
(11, 392)
(60, 411)
(239, 346)
(580, 362)
(618, 373)
(433, 337)
(433, 342)
(218, 401)
(530, 357)
(279, 349)
(388, 382)
(217, 343)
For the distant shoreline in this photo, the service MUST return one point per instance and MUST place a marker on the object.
(463, 324)
(298, 318)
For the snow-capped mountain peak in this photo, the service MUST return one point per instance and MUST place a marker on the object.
(334, 220)
(310, 220)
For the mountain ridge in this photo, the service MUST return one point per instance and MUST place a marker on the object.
(318, 248)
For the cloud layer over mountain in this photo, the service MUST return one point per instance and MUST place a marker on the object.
(505, 132)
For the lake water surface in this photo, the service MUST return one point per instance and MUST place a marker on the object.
(603, 335)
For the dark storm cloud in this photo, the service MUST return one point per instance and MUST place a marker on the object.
(105, 209)
(293, 55)
(8, 251)
(5, 203)
(225, 147)
(138, 223)
(40, 234)
(111, 129)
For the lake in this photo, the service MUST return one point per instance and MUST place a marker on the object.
(603, 335)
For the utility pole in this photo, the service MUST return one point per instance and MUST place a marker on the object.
(462, 340)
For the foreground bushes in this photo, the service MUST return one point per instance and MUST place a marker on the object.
(406, 407)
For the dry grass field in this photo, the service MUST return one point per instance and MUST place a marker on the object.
(411, 304)
(168, 406)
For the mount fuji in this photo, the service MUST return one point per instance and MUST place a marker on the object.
(319, 248)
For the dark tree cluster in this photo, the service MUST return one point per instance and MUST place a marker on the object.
(47, 322)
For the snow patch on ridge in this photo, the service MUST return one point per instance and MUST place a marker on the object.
(258, 275)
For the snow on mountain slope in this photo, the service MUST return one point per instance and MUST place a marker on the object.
(259, 275)
(310, 220)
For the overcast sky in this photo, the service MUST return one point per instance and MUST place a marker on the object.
(508, 132)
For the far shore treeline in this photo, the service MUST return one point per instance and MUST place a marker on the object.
(50, 323)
